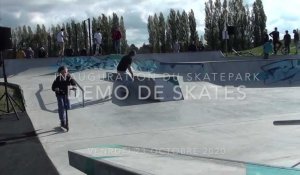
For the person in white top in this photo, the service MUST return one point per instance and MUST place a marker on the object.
(60, 41)
(97, 43)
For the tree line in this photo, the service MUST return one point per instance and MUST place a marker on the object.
(77, 35)
(176, 27)
(163, 31)
(249, 25)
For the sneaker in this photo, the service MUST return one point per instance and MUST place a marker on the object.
(66, 127)
(62, 123)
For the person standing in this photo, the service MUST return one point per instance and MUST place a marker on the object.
(116, 37)
(287, 41)
(97, 43)
(176, 47)
(296, 40)
(60, 37)
(60, 87)
(266, 37)
(275, 36)
(267, 49)
(29, 53)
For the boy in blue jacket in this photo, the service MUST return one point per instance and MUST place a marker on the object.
(268, 47)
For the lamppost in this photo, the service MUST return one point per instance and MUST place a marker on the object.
(89, 31)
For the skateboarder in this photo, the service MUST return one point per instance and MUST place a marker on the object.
(124, 65)
(60, 87)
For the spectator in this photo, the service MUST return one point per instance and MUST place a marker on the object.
(192, 47)
(97, 43)
(60, 37)
(296, 40)
(20, 53)
(29, 53)
(287, 41)
(176, 47)
(116, 37)
(275, 36)
(266, 37)
(267, 49)
(42, 52)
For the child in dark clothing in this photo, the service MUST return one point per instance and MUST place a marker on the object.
(60, 87)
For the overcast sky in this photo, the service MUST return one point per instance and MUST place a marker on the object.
(283, 14)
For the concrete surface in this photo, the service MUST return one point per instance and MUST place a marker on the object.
(124, 160)
(214, 120)
(21, 151)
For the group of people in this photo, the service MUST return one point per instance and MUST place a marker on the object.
(275, 44)
(97, 41)
(30, 53)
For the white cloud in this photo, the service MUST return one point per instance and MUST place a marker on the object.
(283, 14)
(36, 18)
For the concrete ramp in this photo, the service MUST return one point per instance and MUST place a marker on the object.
(126, 160)
(146, 86)
(183, 56)
(248, 73)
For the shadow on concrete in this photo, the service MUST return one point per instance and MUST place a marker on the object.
(73, 106)
(40, 100)
(90, 102)
(21, 149)
(26, 136)
(121, 98)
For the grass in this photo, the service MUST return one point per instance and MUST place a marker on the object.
(258, 51)
(15, 93)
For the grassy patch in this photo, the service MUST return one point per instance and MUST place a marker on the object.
(258, 51)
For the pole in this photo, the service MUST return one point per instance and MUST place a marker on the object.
(226, 31)
(90, 38)
(76, 39)
(5, 82)
(7, 96)
(84, 28)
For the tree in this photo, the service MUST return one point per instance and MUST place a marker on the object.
(237, 15)
(151, 31)
(168, 38)
(162, 32)
(124, 44)
(211, 33)
(156, 46)
(192, 25)
(259, 19)
(172, 22)
(183, 30)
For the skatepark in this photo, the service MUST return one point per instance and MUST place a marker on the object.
(221, 124)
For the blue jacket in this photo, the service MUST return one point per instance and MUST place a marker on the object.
(268, 47)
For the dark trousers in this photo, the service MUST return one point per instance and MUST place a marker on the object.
(63, 104)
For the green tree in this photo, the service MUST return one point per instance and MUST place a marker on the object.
(156, 46)
(211, 30)
(172, 23)
(151, 32)
(105, 28)
(162, 32)
(192, 25)
(124, 44)
(183, 30)
(259, 19)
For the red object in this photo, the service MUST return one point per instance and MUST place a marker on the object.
(116, 35)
